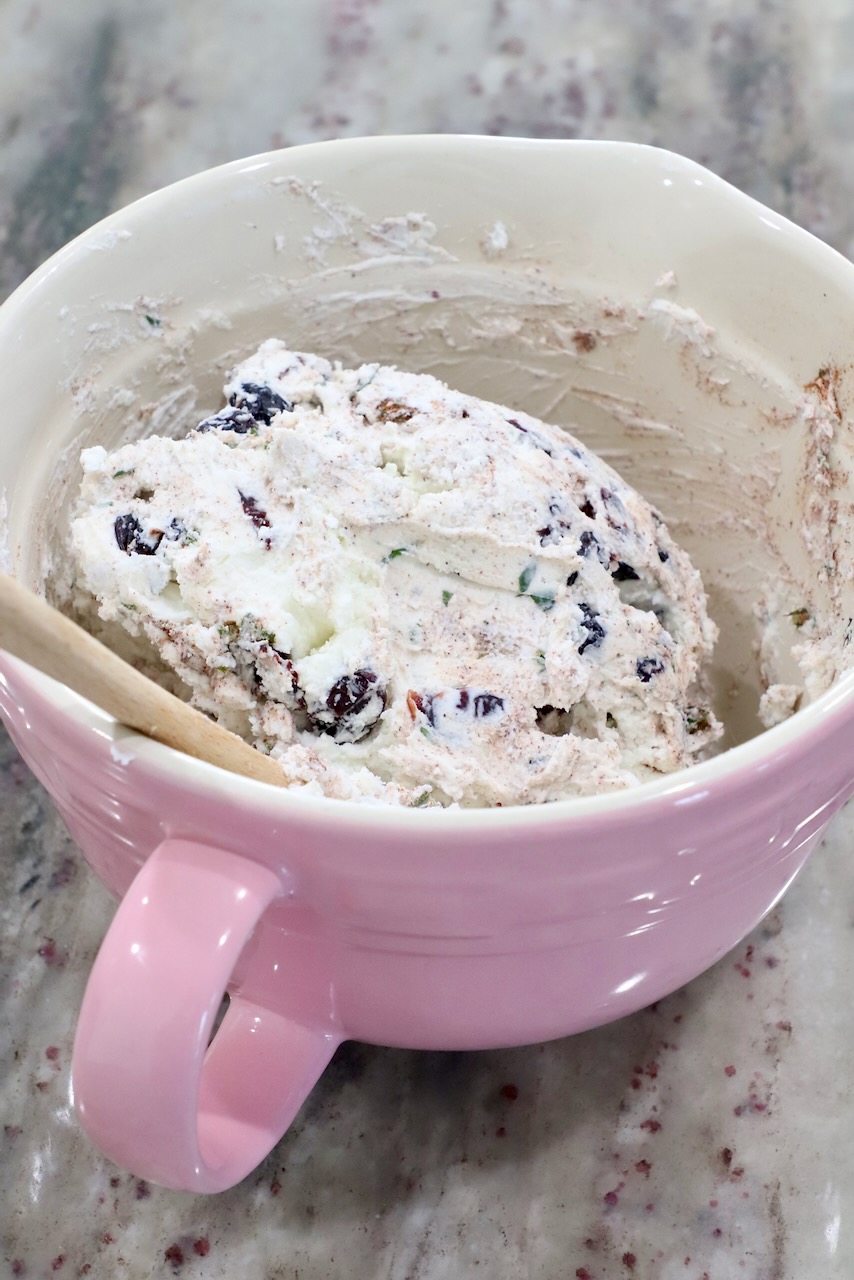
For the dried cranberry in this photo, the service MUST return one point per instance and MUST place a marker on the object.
(239, 420)
(648, 667)
(130, 537)
(587, 508)
(535, 439)
(486, 704)
(427, 706)
(572, 579)
(663, 556)
(615, 512)
(294, 674)
(176, 530)
(126, 529)
(624, 573)
(348, 694)
(296, 702)
(591, 624)
(262, 402)
(588, 540)
(478, 704)
(551, 534)
(353, 706)
(256, 514)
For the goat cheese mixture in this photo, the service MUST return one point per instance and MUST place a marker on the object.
(403, 593)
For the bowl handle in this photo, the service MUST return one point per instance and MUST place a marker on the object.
(148, 1089)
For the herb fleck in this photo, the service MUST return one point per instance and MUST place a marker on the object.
(545, 600)
(800, 616)
(697, 719)
(526, 577)
(446, 597)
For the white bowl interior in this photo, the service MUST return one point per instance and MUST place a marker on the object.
(690, 337)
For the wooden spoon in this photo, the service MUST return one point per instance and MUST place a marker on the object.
(40, 635)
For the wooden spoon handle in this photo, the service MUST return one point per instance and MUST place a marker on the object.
(40, 635)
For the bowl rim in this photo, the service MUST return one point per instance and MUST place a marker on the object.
(681, 787)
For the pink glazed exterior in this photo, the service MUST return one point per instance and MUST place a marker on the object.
(328, 920)
(496, 929)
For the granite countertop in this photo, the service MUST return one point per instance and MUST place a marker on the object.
(705, 1137)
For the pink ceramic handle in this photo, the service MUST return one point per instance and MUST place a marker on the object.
(148, 1090)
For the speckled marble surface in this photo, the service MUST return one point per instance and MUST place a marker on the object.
(708, 1137)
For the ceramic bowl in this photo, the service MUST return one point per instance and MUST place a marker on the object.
(692, 337)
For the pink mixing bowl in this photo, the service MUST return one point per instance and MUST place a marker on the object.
(617, 287)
